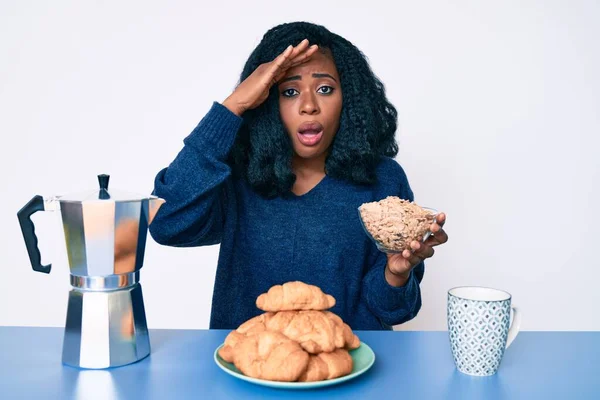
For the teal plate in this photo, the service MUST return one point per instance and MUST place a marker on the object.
(363, 358)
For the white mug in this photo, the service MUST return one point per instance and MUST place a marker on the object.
(479, 328)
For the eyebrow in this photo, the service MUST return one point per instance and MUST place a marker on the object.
(299, 78)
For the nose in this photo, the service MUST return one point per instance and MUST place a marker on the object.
(309, 105)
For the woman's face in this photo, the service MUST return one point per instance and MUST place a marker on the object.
(310, 104)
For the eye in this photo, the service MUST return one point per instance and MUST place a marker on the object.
(325, 90)
(289, 92)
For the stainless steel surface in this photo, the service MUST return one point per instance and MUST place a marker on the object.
(105, 237)
(105, 329)
(95, 194)
(103, 283)
(105, 233)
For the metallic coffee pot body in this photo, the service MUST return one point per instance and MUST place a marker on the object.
(105, 233)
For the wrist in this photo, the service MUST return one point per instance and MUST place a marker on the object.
(394, 279)
(233, 106)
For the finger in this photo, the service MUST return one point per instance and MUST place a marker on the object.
(306, 54)
(299, 48)
(421, 250)
(399, 263)
(440, 219)
(411, 257)
(303, 57)
(440, 237)
(279, 61)
(424, 251)
(277, 68)
(296, 51)
(284, 60)
(300, 59)
(438, 224)
(414, 260)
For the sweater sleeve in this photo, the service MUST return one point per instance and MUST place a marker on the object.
(194, 184)
(393, 305)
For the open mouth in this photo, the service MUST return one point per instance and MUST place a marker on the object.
(310, 133)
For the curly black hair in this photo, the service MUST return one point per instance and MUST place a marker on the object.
(262, 153)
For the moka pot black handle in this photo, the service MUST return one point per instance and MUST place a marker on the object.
(28, 229)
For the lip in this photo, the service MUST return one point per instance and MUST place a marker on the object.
(310, 126)
(310, 133)
(310, 140)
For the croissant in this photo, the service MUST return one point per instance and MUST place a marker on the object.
(232, 339)
(324, 366)
(351, 341)
(270, 355)
(296, 338)
(250, 327)
(315, 331)
(255, 325)
(294, 295)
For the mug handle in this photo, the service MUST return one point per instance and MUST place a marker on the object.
(514, 327)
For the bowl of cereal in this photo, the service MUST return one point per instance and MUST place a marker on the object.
(393, 223)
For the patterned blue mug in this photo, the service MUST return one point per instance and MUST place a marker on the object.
(480, 329)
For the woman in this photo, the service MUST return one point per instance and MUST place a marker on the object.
(275, 174)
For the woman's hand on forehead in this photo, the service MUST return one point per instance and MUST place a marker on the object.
(254, 90)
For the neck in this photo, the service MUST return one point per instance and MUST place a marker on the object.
(305, 167)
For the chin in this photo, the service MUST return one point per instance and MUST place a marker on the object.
(308, 152)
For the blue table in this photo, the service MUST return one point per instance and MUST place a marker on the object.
(409, 365)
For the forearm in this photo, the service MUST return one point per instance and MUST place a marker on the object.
(194, 184)
(393, 299)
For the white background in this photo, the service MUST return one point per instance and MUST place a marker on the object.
(498, 126)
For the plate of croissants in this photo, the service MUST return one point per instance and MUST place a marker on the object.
(295, 343)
